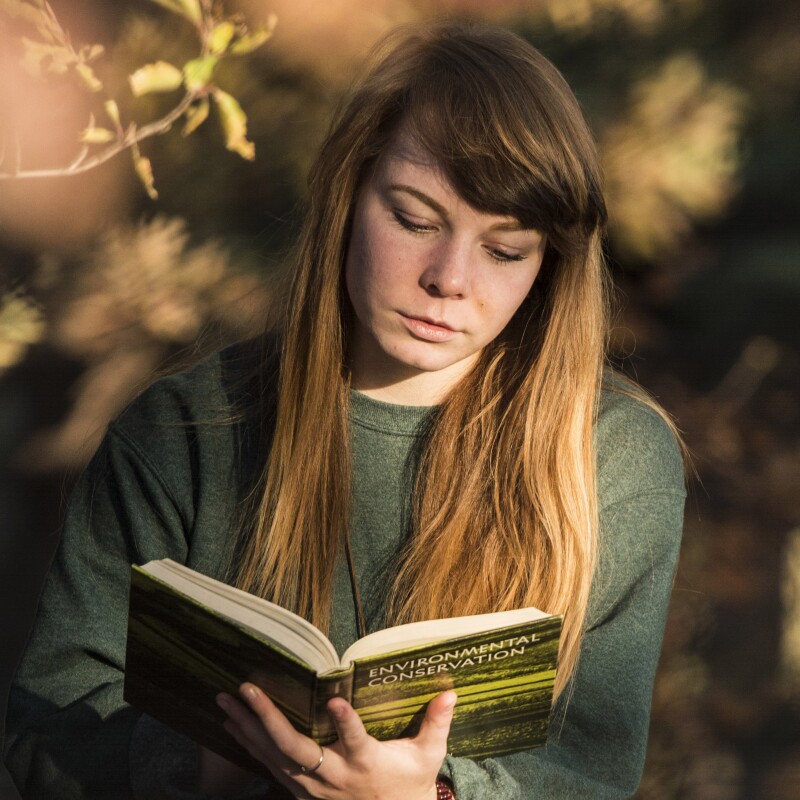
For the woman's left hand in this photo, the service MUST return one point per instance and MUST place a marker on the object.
(356, 766)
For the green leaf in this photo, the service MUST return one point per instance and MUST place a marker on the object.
(196, 116)
(221, 36)
(234, 124)
(144, 169)
(89, 78)
(198, 72)
(158, 77)
(94, 135)
(252, 41)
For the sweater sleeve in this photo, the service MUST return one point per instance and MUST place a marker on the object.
(70, 734)
(598, 731)
(69, 730)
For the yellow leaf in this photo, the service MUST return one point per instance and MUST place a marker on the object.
(97, 136)
(88, 77)
(20, 320)
(221, 36)
(252, 41)
(144, 169)
(198, 72)
(35, 53)
(186, 8)
(112, 109)
(60, 61)
(196, 116)
(234, 124)
(158, 77)
(24, 11)
(90, 52)
(191, 9)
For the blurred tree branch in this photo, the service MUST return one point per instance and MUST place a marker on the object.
(220, 36)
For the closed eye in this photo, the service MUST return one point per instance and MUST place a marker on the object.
(406, 223)
(503, 257)
(496, 255)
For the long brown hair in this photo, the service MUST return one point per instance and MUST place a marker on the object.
(512, 444)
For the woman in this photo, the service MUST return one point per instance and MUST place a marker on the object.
(435, 434)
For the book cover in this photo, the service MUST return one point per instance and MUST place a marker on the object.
(181, 653)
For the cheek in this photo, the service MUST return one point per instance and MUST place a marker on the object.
(374, 268)
(364, 278)
(356, 269)
(505, 300)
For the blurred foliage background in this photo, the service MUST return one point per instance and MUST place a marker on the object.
(696, 106)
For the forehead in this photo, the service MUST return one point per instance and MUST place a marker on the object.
(409, 166)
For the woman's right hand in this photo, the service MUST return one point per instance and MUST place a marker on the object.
(356, 766)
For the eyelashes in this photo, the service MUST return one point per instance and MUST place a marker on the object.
(406, 223)
(420, 230)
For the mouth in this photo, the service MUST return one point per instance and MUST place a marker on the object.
(428, 329)
(433, 323)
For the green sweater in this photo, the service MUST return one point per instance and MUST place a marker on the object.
(167, 482)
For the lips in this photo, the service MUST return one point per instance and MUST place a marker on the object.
(429, 330)
(434, 323)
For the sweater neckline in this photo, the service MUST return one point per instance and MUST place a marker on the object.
(387, 417)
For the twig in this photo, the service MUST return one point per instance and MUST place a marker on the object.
(78, 159)
(132, 136)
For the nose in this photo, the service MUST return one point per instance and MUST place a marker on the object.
(448, 270)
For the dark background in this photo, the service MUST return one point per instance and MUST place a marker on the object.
(696, 107)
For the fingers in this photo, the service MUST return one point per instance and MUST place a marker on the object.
(435, 726)
(260, 727)
(432, 736)
(352, 734)
(268, 726)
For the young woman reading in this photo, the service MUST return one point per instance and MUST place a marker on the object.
(433, 431)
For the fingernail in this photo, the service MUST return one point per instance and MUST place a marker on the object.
(251, 692)
(223, 702)
(451, 702)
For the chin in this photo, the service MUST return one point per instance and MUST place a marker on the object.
(427, 361)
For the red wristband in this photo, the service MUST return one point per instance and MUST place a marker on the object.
(444, 791)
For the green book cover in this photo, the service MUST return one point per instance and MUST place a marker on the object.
(190, 637)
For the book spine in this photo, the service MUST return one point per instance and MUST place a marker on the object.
(181, 654)
(331, 684)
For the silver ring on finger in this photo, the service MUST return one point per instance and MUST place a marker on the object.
(309, 770)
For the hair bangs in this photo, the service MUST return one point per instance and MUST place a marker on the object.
(499, 139)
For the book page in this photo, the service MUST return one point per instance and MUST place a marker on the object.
(414, 634)
(281, 626)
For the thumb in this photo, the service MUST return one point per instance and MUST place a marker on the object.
(435, 726)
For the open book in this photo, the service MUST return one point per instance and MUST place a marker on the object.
(191, 637)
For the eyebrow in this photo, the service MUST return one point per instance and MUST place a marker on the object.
(509, 225)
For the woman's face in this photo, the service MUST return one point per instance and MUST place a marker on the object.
(432, 281)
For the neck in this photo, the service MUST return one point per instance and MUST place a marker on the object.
(405, 385)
